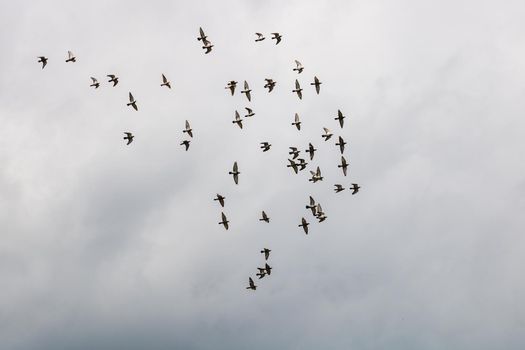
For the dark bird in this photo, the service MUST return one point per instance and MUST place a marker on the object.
(268, 269)
(299, 67)
(277, 37)
(235, 173)
(294, 152)
(316, 175)
(338, 188)
(237, 120)
(132, 102)
(302, 164)
(343, 165)
(341, 144)
(221, 199)
(265, 217)
(231, 85)
(113, 79)
(298, 89)
(321, 216)
(260, 37)
(261, 273)
(340, 118)
(297, 122)
(188, 129)
(265, 146)
(270, 84)
(252, 285)
(266, 253)
(71, 57)
(224, 221)
(311, 150)
(186, 144)
(312, 206)
(165, 82)
(202, 37)
(207, 46)
(129, 137)
(292, 165)
(327, 134)
(95, 83)
(42, 60)
(317, 85)
(304, 225)
(355, 188)
(250, 112)
(247, 91)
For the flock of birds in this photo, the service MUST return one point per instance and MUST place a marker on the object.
(296, 163)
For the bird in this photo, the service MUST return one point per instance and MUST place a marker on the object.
(235, 172)
(302, 164)
(338, 188)
(304, 224)
(265, 146)
(292, 165)
(220, 198)
(297, 122)
(268, 269)
(186, 144)
(270, 84)
(260, 37)
(265, 217)
(321, 216)
(95, 84)
(266, 253)
(203, 37)
(341, 144)
(277, 37)
(343, 165)
(317, 85)
(224, 221)
(252, 285)
(132, 102)
(129, 137)
(188, 129)
(250, 112)
(165, 82)
(261, 273)
(247, 91)
(355, 188)
(340, 117)
(231, 85)
(316, 175)
(311, 150)
(298, 89)
(299, 67)
(312, 206)
(113, 79)
(237, 120)
(71, 57)
(207, 46)
(327, 134)
(43, 60)
(294, 152)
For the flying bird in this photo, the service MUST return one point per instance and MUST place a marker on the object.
(316, 175)
(261, 273)
(343, 165)
(298, 89)
(294, 152)
(304, 224)
(299, 67)
(340, 118)
(270, 84)
(341, 144)
(42, 60)
(231, 85)
(165, 82)
(265, 217)
(250, 112)
(302, 164)
(297, 122)
(95, 83)
(188, 129)
(321, 216)
(220, 198)
(224, 221)
(327, 134)
(311, 150)
(129, 137)
(235, 172)
(207, 46)
(266, 253)
(71, 57)
(338, 188)
(186, 144)
(132, 102)
(312, 206)
(268, 269)
(292, 165)
(355, 188)
(260, 37)
(237, 120)
(247, 91)
(113, 79)
(265, 146)
(317, 85)
(252, 285)
(202, 37)
(277, 37)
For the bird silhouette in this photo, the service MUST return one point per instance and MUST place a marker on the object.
(71, 57)
(294, 152)
(207, 46)
(129, 137)
(231, 85)
(202, 37)
(251, 284)
(311, 150)
(298, 89)
(270, 84)
(265, 146)
(265, 217)
(268, 269)
(113, 79)
(299, 67)
(277, 37)
(237, 120)
(247, 91)
(340, 117)
(343, 165)
(188, 129)
(250, 112)
(235, 172)
(317, 85)
(260, 37)
(316, 175)
(165, 82)
(304, 224)
(95, 83)
(327, 134)
(266, 253)
(43, 60)
(312, 206)
(220, 198)
(224, 221)
(132, 102)
(355, 188)
(292, 165)
(341, 144)
(302, 164)
(338, 188)
(297, 122)
(186, 144)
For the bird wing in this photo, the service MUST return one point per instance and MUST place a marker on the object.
(188, 125)
(237, 116)
(264, 215)
(246, 86)
(248, 109)
(111, 76)
(221, 201)
(317, 86)
(94, 80)
(187, 145)
(248, 95)
(164, 80)
(70, 54)
(298, 64)
(297, 85)
(312, 201)
(318, 172)
(296, 118)
(339, 114)
(235, 167)
(259, 35)
(300, 94)
(128, 134)
(236, 178)
(134, 105)
(201, 32)
(131, 99)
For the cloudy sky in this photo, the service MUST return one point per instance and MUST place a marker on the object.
(108, 246)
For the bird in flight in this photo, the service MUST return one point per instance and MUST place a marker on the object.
(188, 129)
(317, 85)
(266, 253)
(340, 117)
(316, 175)
(270, 84)
(237, 120)
(224, 221)
(294, 152)
(341, 144)
(304, 224)
(338, 188)
(327, 134)
(95, 83)
(277, 37)
(261, 273)
(129, 137)
(298, 89)
(355, 188)
(343, 165)
(247, 91)
(302, 164)
(311, 150)
(292, 165)
(235, 172)
(42, 60)
(220, 198)
(251, 284)
(265, 146)
(265, 217)
(321, 216)
(207, 46)
(260, 37)
(132, 102)
(165, 82)
(299, 68)
(71, 57)
(268, 269)
(202, 37)
(186, 144)
(112, 79)
(231, 85)
(312, 206)
(250, 112)
(297, 122)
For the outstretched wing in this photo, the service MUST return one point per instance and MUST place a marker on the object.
(131, 99)
(164, 80)
(298, 64)
(94, 80)
(246, 86)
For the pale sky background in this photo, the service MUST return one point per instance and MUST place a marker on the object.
(107, 246)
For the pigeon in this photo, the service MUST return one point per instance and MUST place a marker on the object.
(207, 46)
(292, 165)
(42, 60)
(247, 91)
(343, 165)
(298, 89)
(188, 129)
(265, 146)
(270, 84)
(221, 199)
(261, 273)
(294, 152)
(132, 102)
(277, 37)
(224, 221)
(299, 67)
(129, 137)
(317, 85)
(265, 217)
(113, 79)
(165, 82)
(338, 188)
(237, 120)
(71, 57)
(302, 164)
(266, 253)
(202, 37)
(341, 144)
(327, 134)
(250, 112)
(260, 37)
(311, 150)
(268, 269)
(304, 225)
(235, 173)
(297, 122)
(340, 118)
(95, 84)
(316, 175)
(252, 285)
(231, 85)
(321, 216)
(186, 144)
(355, 188)
(312, 206)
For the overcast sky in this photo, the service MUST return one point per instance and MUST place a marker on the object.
(108, 246)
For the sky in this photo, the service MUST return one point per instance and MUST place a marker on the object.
(108, 246)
